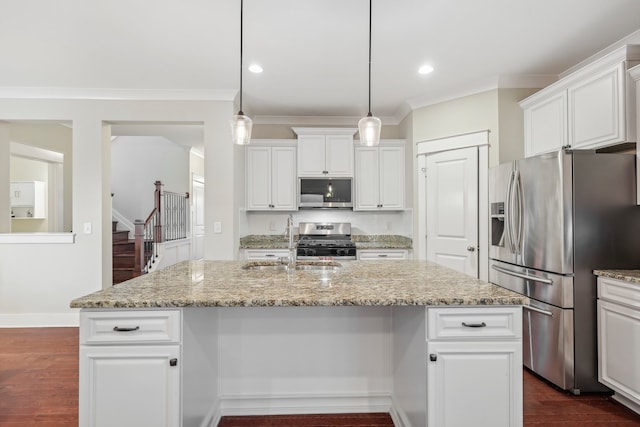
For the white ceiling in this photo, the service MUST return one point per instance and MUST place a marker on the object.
(314, 52)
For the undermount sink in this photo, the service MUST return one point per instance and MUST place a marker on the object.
(304, 265)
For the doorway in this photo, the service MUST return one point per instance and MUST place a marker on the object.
(453, 201)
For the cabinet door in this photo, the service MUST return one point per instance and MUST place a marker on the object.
(367, 195)
(464, 379)
(283, 178)
(618, 350)
(151, 396)
(311, 155)
(339, 155)
(391, 163)
(258, 178)
(597, 110)
(22, 194)
(545, 125)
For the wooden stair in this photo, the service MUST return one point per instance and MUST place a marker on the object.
(123, 256)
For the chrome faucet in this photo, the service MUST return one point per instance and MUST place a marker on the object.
(291, 259)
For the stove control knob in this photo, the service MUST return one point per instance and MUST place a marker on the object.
(341, 252)
(309, 252)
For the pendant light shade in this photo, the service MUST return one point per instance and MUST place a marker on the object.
(369, 129)
(369, 126)
(241, 128)
(240, 124)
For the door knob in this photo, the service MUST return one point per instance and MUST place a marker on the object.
(471, 248)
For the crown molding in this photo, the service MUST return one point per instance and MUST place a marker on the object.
(116, 94)
(529, 81)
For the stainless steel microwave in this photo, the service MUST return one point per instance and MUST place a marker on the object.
(327, 193)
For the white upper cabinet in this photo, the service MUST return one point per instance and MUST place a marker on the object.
(28, 199)
(591, 108)
(325, 152)
(271, 177)
(380, 177)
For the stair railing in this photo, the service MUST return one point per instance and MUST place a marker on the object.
(167, 221)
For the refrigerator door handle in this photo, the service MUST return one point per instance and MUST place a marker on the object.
(509, 214)
(522, 275)
(537, 310)
(518, 191)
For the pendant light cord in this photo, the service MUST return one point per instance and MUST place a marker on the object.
(241, 44)
(370, 4)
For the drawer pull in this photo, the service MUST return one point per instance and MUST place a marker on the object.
(119, 329)
(474, 325)
(382, 255)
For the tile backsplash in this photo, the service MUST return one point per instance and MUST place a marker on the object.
(399, 223)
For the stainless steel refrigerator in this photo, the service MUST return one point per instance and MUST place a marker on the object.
(554, 218)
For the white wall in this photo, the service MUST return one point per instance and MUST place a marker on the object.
(30, 295)
(136, 163)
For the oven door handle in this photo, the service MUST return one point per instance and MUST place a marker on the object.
(522, 275)
(537, 310)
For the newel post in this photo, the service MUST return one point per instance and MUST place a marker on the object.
(139, 246)
(157, 229)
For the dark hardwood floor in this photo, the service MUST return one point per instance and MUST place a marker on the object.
(39, 377)
(39, 387)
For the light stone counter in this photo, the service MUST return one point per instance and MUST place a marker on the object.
(356, 283)
(632, 276)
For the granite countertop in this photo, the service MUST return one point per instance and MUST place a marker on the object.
(362, 241)
(626, 275)
(358, 283)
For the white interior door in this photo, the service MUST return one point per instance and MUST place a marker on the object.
(198, 219)
(452, 209)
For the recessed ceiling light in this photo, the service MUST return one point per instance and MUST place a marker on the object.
(255, 68)
(425, 69)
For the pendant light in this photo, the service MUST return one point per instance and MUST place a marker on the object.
(369, 126)
(240, 124)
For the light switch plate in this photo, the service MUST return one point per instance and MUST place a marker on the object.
(217, 227)
(87, 228)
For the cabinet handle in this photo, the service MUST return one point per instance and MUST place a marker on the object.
(119, 329)
(382, 255)
(325, 172)
(474, 325)
(433, 357)
(173, 362)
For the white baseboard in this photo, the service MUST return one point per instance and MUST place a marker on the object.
(398, 416)
(624, 400)
(39, 320)
(305, 404)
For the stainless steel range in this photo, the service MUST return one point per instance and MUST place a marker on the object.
(325, 240)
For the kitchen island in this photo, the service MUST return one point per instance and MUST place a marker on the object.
(198, 340)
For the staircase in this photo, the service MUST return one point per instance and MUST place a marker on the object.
(123, 256)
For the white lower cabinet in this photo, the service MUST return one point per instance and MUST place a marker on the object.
(618, 338)
(474, 367)
(129, 369)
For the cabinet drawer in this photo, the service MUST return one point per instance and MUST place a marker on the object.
(491, 322)
(620, 291)
(130, 326)
(364, 254)
(265, 254)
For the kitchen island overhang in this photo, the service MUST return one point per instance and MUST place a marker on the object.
(264, 342)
